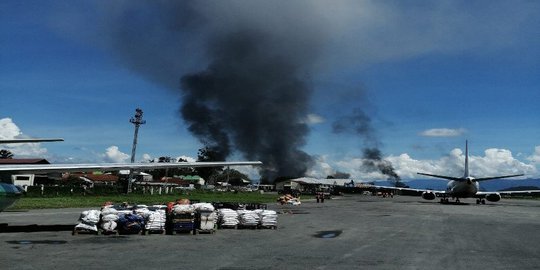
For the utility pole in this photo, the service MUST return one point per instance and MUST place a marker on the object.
(137, 121)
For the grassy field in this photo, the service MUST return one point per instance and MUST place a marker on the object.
(97, 201)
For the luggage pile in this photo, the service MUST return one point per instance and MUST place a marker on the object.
(227, 218)
(248, 219)
(268, 219)
(88, 222)
(289, 199)
(122, 219)
(155, 221)
(130, 224)
(207, 217)
(181, 216)
(259, 218)
(183, 209)
(109, 218)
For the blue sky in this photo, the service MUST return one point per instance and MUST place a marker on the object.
(456, 69)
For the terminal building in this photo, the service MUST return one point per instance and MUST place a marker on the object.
(312, 185)
(25, 179)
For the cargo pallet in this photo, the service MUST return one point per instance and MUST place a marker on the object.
(252, 227)
(181, 223)
(271, 227)
(77, 231)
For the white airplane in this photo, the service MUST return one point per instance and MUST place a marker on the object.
(464, 187)
(10, 193)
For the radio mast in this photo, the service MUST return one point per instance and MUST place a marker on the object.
(137, 121)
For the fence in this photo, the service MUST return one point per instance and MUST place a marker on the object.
(58, 191)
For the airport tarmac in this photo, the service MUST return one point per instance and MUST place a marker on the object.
(352, 232)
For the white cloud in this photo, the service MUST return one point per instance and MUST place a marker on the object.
(312, 119)
(113, 154)
(494, 162)
(251, 171)
(443, 132)
(321, 169)
(189, 159)
(146, 157)
(9, 130)
(535, 157)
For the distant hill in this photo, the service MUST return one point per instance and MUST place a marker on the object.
(521, 188)
(490, 185)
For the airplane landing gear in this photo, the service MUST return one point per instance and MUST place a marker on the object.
(444, 200)
(480, 201)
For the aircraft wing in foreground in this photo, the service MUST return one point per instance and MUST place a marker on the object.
(36, 140)
(48, 168)
(10, 193)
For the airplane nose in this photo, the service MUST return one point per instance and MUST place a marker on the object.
(469, 181)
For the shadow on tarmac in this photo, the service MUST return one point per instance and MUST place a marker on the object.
(33, 242)
(5, 228)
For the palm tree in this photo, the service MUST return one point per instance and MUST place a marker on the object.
(5, 154)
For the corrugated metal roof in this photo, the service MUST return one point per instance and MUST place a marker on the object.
(23, 161)
(322, 181)
(101, 177)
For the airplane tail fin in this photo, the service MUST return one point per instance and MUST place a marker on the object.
(466, 174)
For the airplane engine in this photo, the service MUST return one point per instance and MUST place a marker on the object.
(428, 195)
(494, 197)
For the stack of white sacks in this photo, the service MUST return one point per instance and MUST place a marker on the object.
(227, 217)
(88, 220)
(203, 207)
(248, 218)
(264, 218)
(154, 219)
(208, 216)
(268, 218)
(183, 209)
(109, 218)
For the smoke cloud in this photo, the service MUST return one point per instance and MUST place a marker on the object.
(359, 123)
(244, 70)
(373, 159)
(252, 100)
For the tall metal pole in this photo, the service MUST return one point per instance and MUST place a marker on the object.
(137, 121)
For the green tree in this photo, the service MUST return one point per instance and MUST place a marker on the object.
(5, 154)
(208, 154)
(231, 176)
(160, 173)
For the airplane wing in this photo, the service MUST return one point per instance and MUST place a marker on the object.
(517, 192)
(47, 168)
(442, 176)
(411, 191)
(31, 140)
(496, 177)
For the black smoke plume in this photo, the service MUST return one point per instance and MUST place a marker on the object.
(360, 123)
(252, 100)
(373, 159)
(244, 70)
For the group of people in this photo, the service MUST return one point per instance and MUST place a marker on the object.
(320, 197)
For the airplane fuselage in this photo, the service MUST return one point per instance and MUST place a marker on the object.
(466, 188)
(9, 194)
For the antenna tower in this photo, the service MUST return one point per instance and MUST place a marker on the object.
(137, 121)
